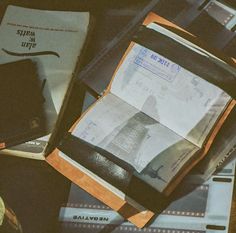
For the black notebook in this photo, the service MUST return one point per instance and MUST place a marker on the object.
(22, 115)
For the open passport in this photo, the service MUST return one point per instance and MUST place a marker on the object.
(157, 119)
(156, 116)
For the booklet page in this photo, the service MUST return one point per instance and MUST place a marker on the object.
(54, 37)
(172, 95)
(134, 137)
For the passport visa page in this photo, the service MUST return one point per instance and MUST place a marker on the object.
(156, 115)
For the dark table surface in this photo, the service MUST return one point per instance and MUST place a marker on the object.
(34, 191)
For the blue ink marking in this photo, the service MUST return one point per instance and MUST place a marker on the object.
(175, 68)
(143, 52)
(160, 60)
(154, 57)
(157, 64)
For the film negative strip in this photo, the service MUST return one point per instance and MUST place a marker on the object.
(189, 203)
(122, 229)
(229, 166)
(202, 206)
(196, 209)
(95, 207)
(222, 13)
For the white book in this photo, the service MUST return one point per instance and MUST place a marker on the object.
(54, 40)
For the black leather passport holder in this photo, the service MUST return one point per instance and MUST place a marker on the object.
(22, 116)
